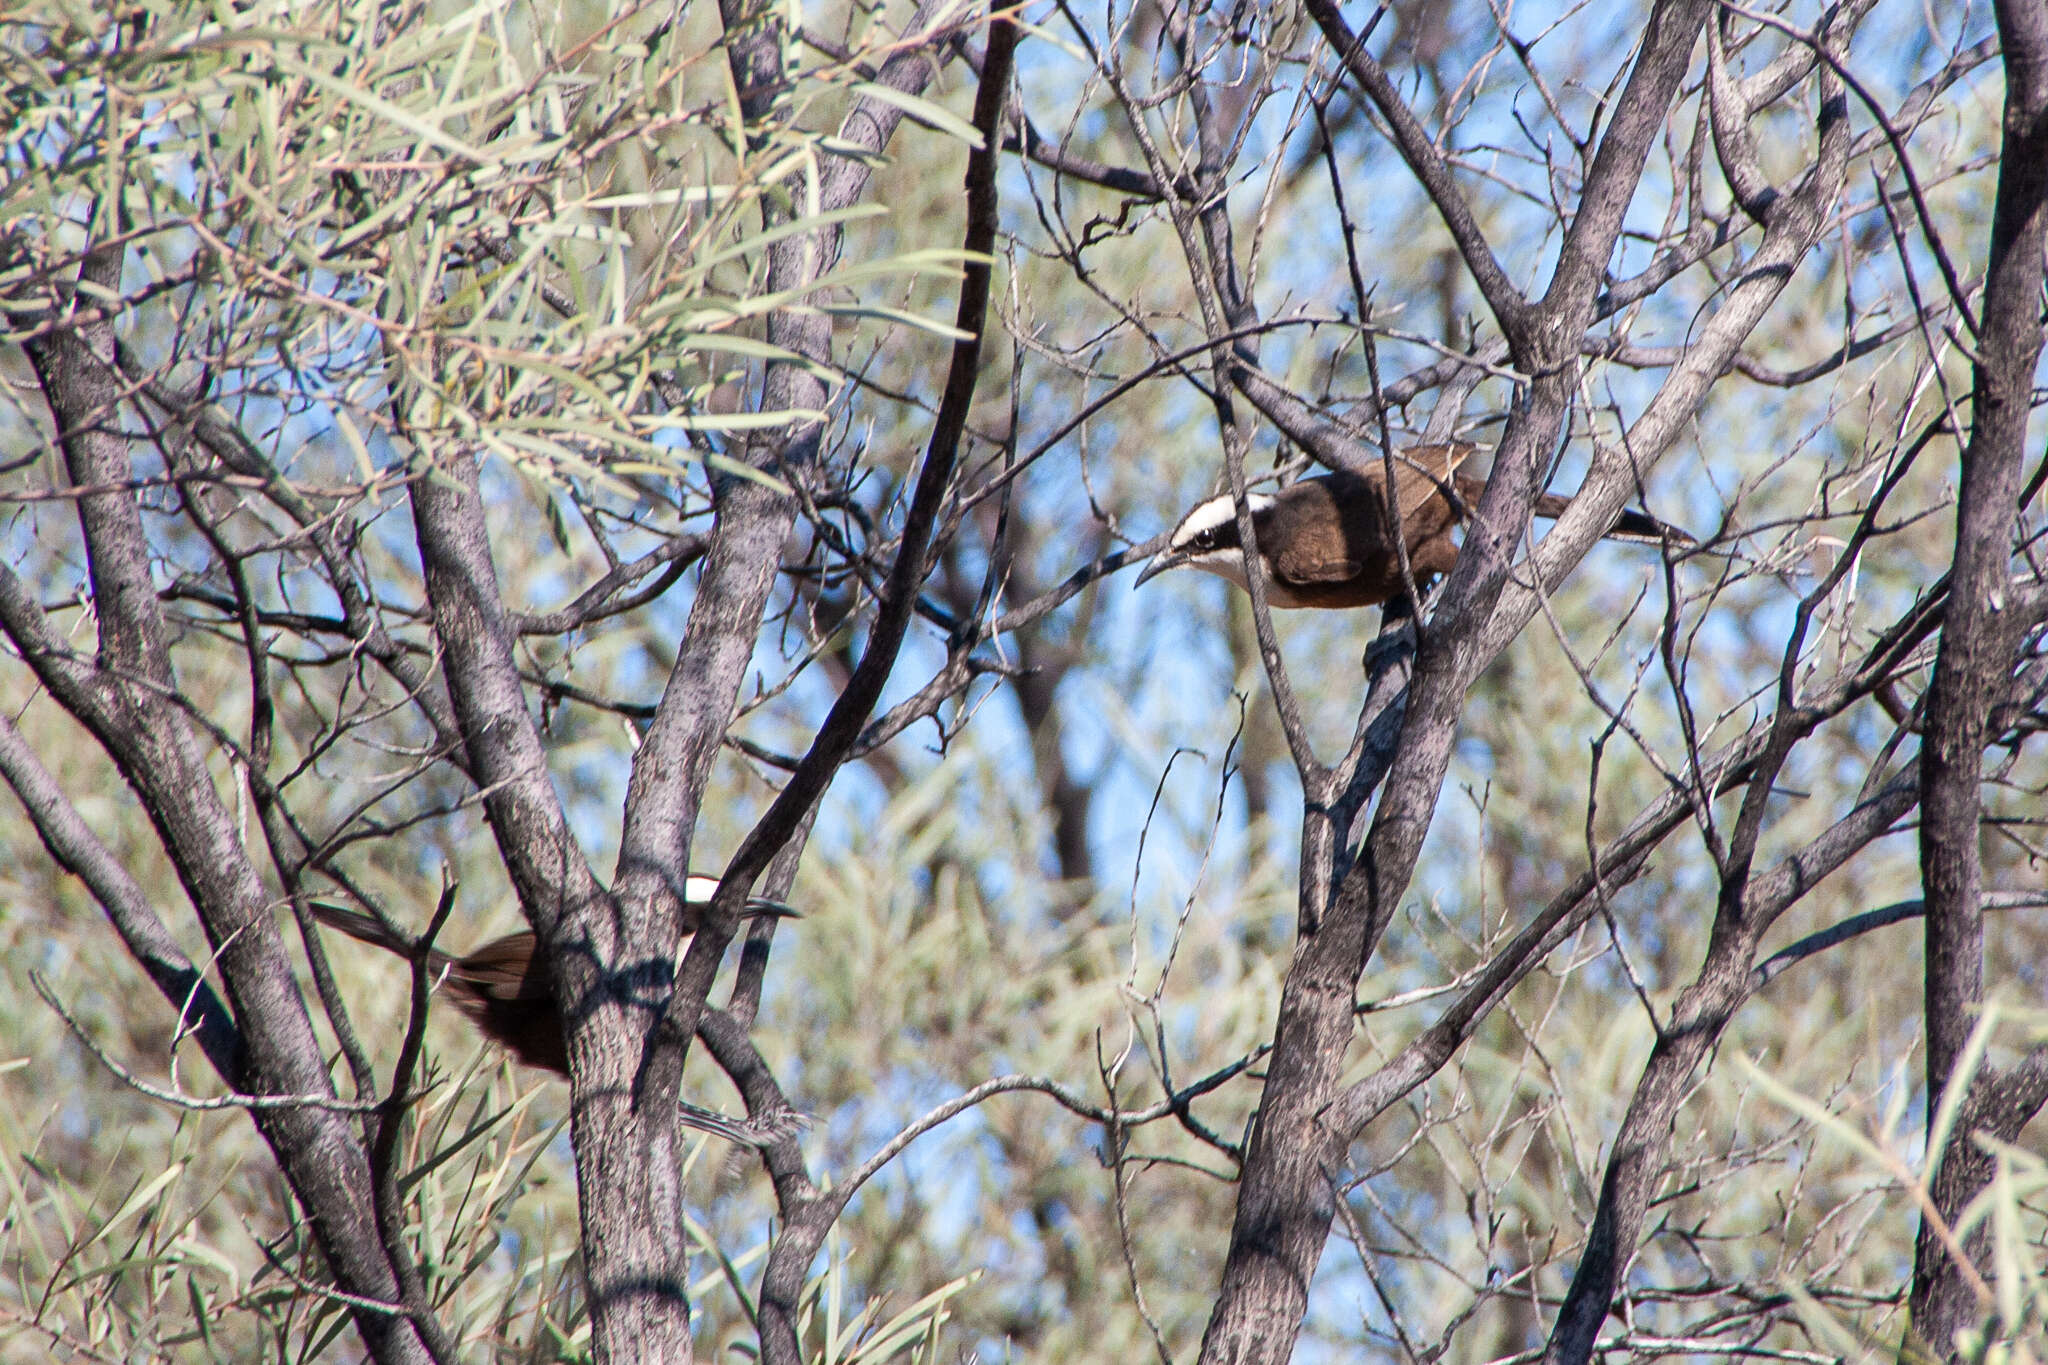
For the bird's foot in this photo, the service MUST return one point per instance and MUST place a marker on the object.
(1394, 644)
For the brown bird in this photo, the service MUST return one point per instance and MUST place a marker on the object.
(1327, 541)
(508, 991)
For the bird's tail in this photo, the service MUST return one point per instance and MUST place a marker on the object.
(1636, 524)
(358, 925)
(756, 1132)
(1632, 524)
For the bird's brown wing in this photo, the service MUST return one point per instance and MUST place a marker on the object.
(1421, 476)
(1307, 538)
(1294, 567)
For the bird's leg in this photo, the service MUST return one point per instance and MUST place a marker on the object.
(1395, 640)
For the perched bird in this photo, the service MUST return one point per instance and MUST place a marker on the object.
(1328, 542)
(508, 991)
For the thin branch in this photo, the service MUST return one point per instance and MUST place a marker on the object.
(1897, 912)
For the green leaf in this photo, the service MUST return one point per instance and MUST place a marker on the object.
(727, 421)
(903, 316)
(381, 107)
(139, 1201)
(924, 111)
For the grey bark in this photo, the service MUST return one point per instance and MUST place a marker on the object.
(1285, 1200)
(128, 700)
(1971, 672)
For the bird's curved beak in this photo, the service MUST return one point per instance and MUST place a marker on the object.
(1161, 562)
(760, 907)
(698, 890)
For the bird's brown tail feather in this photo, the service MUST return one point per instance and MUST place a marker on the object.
(1632, 524)
(358, 925)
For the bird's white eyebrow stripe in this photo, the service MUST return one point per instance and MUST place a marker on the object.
(1207, 516)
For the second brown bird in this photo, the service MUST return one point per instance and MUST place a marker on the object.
(507, 990)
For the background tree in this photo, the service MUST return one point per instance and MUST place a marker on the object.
(476, 457)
